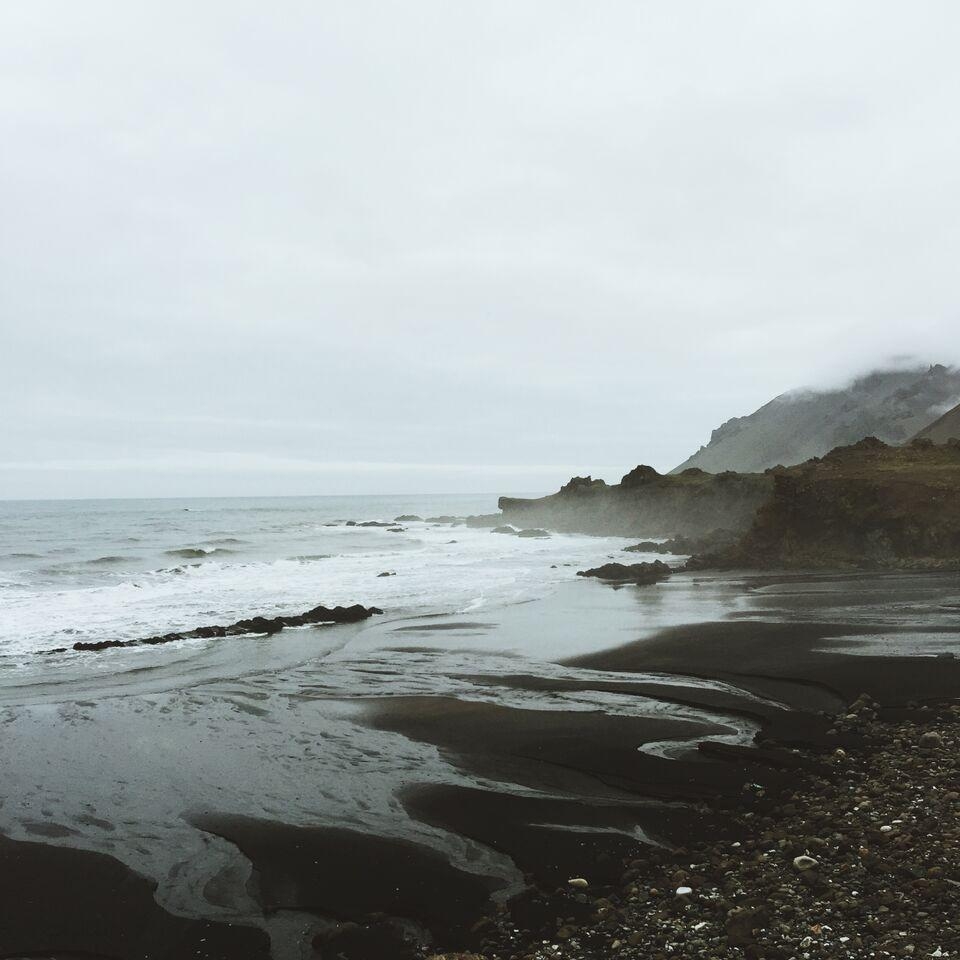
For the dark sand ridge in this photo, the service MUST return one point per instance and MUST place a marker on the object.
(799, 662)
(329, 871)
(79, 905)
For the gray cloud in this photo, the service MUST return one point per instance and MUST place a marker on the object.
(429, 237)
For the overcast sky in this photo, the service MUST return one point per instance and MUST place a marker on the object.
(333, 247)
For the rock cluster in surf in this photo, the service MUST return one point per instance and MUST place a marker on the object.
(254, 625)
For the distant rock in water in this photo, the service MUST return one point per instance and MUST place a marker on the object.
(484, 520)
(255, 625)
(642, 574)
(890, 404)
(505, 529)
(534, 534)
(407, 518)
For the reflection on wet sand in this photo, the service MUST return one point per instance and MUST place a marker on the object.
(548, 738)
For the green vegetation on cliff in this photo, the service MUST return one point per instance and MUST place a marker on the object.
(867, 504)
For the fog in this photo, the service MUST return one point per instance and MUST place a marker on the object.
(424, 247)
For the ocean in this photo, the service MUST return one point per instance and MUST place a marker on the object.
(468, 686)
(88, 570)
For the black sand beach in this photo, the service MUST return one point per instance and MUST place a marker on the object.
(558, 739)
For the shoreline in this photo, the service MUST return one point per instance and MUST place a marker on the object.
(527, 771)
(859, 856)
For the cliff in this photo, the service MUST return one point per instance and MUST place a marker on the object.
(646, 503)
(865, 505)
(891, 405)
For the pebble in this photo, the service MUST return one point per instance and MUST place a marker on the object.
(883, 819)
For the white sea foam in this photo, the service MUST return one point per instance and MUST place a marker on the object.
(285, 559)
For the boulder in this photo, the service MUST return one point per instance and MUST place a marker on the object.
(638, 573)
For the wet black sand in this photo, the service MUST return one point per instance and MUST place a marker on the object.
(331, 871)
(66, 904)
(560, 792)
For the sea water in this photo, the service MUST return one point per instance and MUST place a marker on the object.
(89, 570)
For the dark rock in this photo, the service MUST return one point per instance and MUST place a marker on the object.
(253, 625)
(484, 520)
(505, 529)
(687, 546)
(639, 573)
(534, 533)
(640, 476)
(578, 485)
(407, 518)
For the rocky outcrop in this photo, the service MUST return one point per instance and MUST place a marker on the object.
(642, 574)
(867, 504)
(890, 404)
(255, 625)
(645, 503)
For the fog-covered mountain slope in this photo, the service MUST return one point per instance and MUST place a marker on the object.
(892, 405)
(945, 428)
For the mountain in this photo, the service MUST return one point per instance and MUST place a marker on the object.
(944, 429)
(891, 405)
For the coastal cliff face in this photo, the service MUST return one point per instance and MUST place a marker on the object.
(867, 504)
(646, 503)
(891, 405)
